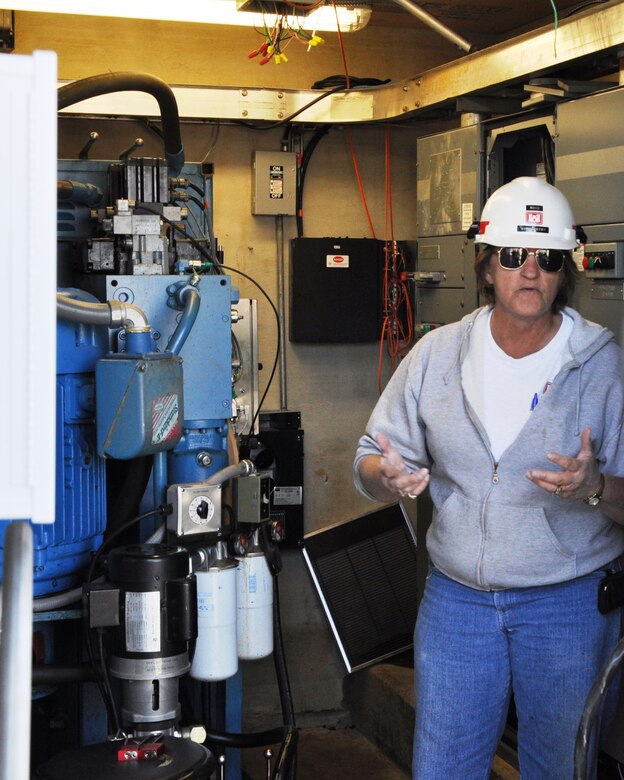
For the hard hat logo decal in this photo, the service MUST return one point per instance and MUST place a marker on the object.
(534, 214)
(483, 226)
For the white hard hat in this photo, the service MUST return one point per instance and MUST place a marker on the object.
(527, 212)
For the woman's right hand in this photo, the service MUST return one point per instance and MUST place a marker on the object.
(393, 473)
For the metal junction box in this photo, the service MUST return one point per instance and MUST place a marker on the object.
(274, 183)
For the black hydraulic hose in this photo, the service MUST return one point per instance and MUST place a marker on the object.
(130, 491)
(279, 660)
(251, 740)
(58, 675)
(592, 709)
(286, 759)
(134, 82)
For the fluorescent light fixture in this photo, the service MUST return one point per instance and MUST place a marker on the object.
(350, 18)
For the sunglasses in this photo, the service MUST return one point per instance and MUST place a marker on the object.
(549, 260)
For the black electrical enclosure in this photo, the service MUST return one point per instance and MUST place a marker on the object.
(335, 290)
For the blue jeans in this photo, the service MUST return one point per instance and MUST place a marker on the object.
(473, 649)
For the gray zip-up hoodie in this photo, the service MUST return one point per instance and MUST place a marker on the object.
(492, 527)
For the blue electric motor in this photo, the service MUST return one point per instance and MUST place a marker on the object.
(64, 547)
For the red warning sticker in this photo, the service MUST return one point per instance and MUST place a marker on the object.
(337, 261)
(165, 418)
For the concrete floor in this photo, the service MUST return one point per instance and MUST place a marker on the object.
(344, 754)
(328, 754)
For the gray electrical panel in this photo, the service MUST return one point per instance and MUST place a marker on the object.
(274, 183)
(590, 173)
(449, 167)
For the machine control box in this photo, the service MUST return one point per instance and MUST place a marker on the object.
(252, 499)
(139, 404)
(196, 509)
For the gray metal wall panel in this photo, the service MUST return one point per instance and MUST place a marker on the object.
(590, 156)
(448, 181)
(441, 306)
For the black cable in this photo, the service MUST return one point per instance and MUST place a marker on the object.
(164, 510)
(277, 349)
(279, 658)
(340, 80)
(203, 205)
(105, 677)
(105, 692)
(129, 487)
(60, 674)
(197, 189)
(319, 134)
(197, 202)
(251, 740)
(296, 113)
(286, 764)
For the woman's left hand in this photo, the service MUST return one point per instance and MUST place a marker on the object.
(580, 476)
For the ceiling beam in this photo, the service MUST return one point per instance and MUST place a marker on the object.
(544, 51)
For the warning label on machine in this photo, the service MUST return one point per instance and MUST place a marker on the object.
(143, 622)
(165, 418)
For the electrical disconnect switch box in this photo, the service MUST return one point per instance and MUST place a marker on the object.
(274, 183)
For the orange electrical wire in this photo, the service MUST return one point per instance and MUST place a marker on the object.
(356, 168)
(348, 135)
(395, 336)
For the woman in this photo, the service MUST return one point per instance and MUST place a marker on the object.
(513, 417)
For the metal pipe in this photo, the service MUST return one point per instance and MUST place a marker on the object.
(16, 652)
(159, 478)
(281, 308)
(240, 469)
(436, 25)
(58, 601)
(112, 313)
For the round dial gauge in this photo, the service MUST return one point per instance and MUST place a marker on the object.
(201, 509)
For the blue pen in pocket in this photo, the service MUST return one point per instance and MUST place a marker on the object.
(535, 401)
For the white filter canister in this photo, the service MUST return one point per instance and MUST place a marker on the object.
(254, 589)
(216, 656)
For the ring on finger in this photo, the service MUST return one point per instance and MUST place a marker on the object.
(558, 490)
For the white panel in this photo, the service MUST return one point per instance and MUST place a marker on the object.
(28, 155)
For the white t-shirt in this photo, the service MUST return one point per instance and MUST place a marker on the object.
(503, 390)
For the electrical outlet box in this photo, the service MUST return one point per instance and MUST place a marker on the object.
(274, 183)
(252, 499)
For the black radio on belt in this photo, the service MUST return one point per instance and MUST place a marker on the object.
(611, 591)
